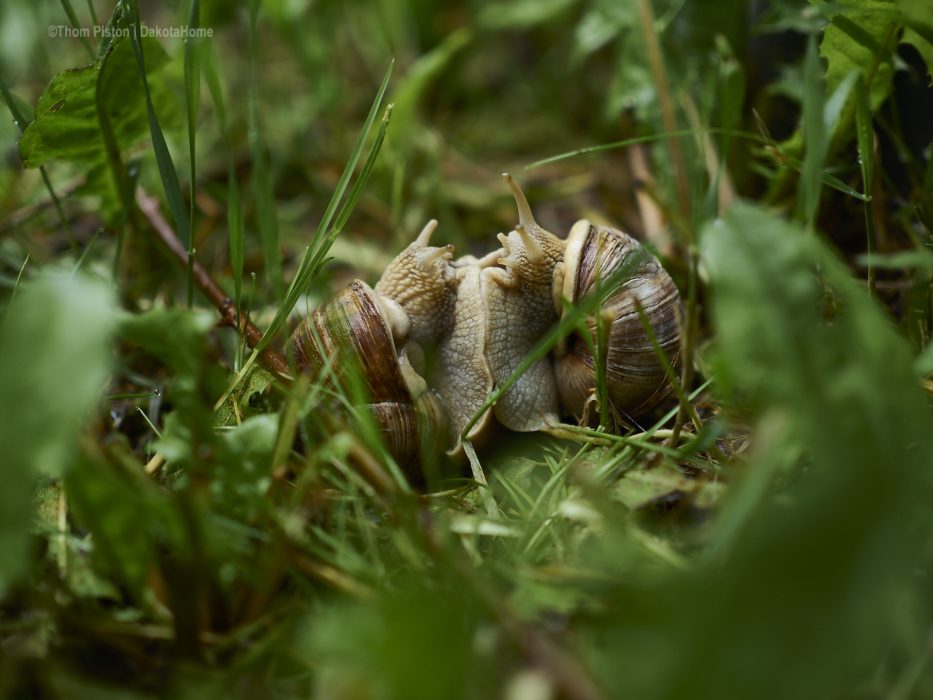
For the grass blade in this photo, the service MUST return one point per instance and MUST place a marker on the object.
(262, 182)
(866, 146)
(167, 172)
(235, 224)
(649, 138)
(73, 18)
(93, 12)
(814, 138)
(323, 234)
(192, 98)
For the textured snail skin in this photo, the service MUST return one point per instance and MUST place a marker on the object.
(422, 283)
(463, 379)
(519, 300)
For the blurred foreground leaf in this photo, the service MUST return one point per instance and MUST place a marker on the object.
(118, 509)
(420, 643)
(815, 591)
(54, 360)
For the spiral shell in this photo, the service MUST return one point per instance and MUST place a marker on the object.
(348, 341)
(635, 376)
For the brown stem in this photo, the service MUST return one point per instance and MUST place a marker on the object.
(229, 316)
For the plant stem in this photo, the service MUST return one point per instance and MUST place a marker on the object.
(271, 358)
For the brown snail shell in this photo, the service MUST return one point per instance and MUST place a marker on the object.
(635, 378)
(570, 270)
(351, 336)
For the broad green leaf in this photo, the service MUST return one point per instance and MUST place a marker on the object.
(600, 25)
(924, 45)
(632, 86)
(54, 361)
(174, 335)
(637, 487)
(66, 125)
(924, 362)
(421, 641)
(855, 40)
(917, 11)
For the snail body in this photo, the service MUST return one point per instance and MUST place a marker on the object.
(483, 316)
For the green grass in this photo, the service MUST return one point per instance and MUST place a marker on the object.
(175, 521)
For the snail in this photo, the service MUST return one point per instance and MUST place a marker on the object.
(483, 316)
(349, 339)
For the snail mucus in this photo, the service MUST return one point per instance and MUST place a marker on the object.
(480, 317)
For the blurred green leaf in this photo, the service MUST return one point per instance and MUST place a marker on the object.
(245, 471)
(119, 512)
(802, 342)
(637, 487)
(600, 25)
(66, 125)
(521, 14)
(924, 362)
(632, 86)
(820, 576)
(924, 46)
(176, 335)
(54, 360)
(418, 643)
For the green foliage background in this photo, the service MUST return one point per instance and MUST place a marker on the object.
(176, 522)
